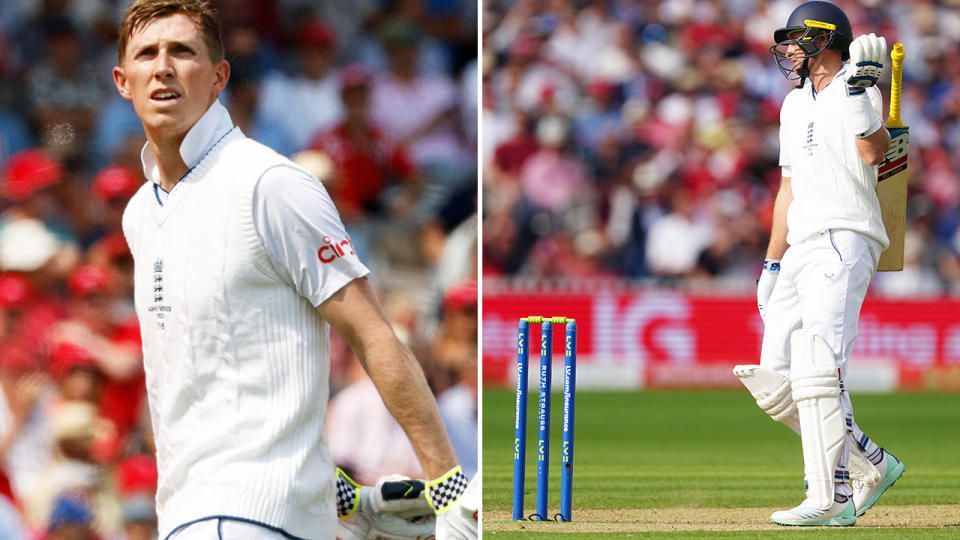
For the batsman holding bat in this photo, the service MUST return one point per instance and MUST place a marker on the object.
(242, 266)
(824, 247)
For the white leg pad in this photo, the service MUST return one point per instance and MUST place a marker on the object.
(816, 391)
(775, 397)
(772, 392)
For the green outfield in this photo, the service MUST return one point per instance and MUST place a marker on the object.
(711, 464)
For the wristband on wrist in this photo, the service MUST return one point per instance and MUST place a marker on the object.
(772, 265)
(860, 114)
(348, 494)
(444, 491)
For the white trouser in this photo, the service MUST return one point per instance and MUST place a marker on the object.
(226, 529)
(823, 281)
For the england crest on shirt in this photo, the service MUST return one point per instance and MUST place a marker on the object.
(809, 144)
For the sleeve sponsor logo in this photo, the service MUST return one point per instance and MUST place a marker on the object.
(333, 249)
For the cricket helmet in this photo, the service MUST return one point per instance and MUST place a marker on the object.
(814, 19)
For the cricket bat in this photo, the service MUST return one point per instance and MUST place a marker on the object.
(892, 173)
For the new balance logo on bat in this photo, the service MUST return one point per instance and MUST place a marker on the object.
(895, 159)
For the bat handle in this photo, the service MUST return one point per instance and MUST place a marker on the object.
(896, 85)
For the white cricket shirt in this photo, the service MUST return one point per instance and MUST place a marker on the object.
(832, 187)
(229, 268)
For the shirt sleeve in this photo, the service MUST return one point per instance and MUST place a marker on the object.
(876, 99)
(302, 234)
(784, 139)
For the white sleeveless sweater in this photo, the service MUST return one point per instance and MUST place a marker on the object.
(237, 363)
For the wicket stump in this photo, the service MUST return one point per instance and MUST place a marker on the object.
(543, 439)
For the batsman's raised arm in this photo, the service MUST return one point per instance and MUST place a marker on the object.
(863, 108)
(356, 315)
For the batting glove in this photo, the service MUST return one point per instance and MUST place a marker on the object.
(867, 54)
(394, 508)
(768, 278)
(457, 504)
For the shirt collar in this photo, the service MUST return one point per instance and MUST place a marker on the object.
(204, 134)
(843, 69)
(837, 75)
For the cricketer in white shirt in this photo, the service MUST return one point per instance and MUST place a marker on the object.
(826, 239)
(833, 221)
(832, 187)
(835, 235)
(241, 268)
(229, 269)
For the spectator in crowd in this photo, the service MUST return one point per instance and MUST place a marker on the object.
(112, 345)
(366, 159)
(78, 430)
(455, 351)
(34, 183)
(32, 253)
(512, 153)
(309, 101)
(676, 240)
(112, 254)
(112, 188)
(364, 438)
(71, 518)
(243, 96)
(421, 111)
(26, 437)
(74, 470)
(550, 178)
(136, 486)
(65, 91)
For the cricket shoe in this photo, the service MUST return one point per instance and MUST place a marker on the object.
(865, 495)
(840, 514)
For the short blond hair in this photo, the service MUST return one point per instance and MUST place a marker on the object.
(140, 12)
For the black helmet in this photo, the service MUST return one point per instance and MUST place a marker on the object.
(814, 18)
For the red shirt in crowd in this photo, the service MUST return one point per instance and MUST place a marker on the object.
(363, 170)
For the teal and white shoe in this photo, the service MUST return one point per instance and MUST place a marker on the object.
(865, 495)
(840, 514)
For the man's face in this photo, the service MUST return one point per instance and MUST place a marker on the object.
(356, 102)
(796, 53)
(316, 61)
(167, 74)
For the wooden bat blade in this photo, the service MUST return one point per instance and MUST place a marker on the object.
(892, 194)
(892, 173)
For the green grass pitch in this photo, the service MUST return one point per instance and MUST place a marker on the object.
(716, 451)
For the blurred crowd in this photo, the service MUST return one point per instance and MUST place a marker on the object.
(379, 98)
(638, 139)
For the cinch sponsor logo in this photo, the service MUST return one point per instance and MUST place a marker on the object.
(334, 250)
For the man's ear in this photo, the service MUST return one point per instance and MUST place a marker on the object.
(221, 77)
(120, 80)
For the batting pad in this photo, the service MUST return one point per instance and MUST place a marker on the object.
(816, 391)
(772, 392)
(775, 397)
